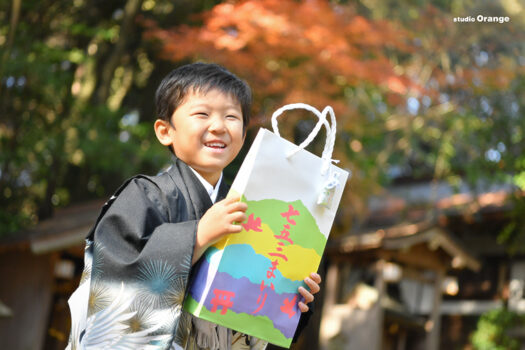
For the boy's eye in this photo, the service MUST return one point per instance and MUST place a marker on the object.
(231, 116)
(200, 114)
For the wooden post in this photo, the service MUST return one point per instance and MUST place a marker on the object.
(433, 325)
(402, 340)
(330, 299)
(332, 275)
(381, 290)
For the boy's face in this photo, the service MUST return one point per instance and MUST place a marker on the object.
(206, 132)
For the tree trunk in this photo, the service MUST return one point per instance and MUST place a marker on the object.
(126, 29)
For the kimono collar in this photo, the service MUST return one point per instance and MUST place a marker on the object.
(212, 191)
(196, 196)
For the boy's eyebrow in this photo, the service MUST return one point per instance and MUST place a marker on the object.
(199, 104)
(203, 104)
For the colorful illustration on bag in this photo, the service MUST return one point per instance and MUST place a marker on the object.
(251, 278)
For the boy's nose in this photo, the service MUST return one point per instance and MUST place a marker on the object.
(217, 125)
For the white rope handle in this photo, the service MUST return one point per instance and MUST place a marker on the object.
(330, 131)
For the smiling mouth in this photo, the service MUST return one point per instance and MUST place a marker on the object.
(215, 145)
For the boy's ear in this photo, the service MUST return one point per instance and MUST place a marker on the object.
(162, 131)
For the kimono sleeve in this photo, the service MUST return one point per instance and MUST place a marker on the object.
(145, 241)
(138, 259)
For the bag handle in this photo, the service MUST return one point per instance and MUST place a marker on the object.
(330, 131)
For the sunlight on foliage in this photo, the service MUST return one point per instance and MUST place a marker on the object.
(492, 331)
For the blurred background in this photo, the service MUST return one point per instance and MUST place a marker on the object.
(427, 251)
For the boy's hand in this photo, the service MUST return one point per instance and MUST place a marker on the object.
(219, 221)
(313, 283)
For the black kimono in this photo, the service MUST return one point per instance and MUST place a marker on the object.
(137, 264)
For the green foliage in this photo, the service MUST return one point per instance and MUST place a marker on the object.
(513, 234)
(492, 330)
(72, 73)
(61, 135)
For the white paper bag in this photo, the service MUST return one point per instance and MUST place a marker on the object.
(248, 281)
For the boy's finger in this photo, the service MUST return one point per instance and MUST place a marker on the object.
(234, 228)
(229, 200)
(303, 307)
(316, 277)
(308, 297)
(237, 217)
(314, 287)
(238, 206)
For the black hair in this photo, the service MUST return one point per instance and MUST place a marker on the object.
(201, 77)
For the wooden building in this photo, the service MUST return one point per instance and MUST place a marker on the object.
(420, 271)
(39, 270)
(400, 264)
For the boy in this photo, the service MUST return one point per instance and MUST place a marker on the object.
(140, 253)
